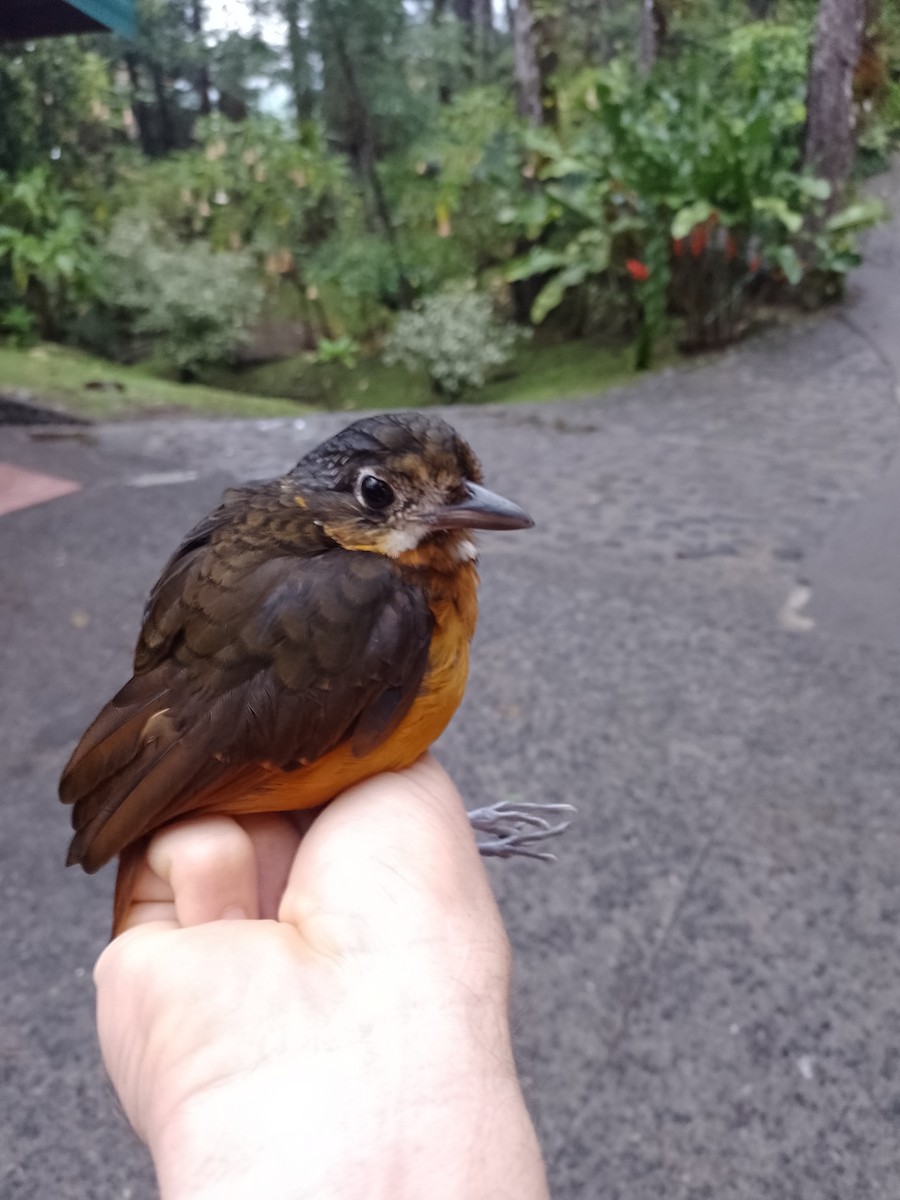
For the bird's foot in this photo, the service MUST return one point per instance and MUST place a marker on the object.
(517, 828)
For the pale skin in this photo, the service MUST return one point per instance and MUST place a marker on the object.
(321, 1018)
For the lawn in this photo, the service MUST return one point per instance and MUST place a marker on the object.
(84, 386)
(93, 388)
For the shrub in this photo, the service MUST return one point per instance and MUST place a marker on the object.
(687, 190)
(47, 259)
(455, 337)
(195, 305)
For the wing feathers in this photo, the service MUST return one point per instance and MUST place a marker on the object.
(293, 657)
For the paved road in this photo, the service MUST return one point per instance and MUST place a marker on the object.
(707, 994)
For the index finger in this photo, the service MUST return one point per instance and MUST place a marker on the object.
(213, 868)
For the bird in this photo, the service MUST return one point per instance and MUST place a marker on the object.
(310, 632)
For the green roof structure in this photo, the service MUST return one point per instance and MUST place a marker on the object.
(24, 19)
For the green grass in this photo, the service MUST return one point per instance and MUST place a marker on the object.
(59, 376)
(536, 373)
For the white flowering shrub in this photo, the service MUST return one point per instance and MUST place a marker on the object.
(455, 337)
(194, 303)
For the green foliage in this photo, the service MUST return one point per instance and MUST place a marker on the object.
(407, 169)
(194, 304)
(18, 326)
(369, 99)
(455, 337)
(248, 185)
(687, 188)
(461, 187)
(363, 270)
(67, 379)
(56, 101)
(343, 350)
(46, 248)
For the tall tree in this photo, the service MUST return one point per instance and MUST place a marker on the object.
(653, 27)
(202, 74)
(830, 142)
(358, 41)
(299, 70)
(534, 44)
(647, 46)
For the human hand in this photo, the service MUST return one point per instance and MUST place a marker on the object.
(350, 1037)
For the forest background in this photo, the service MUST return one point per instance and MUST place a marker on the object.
(390, 202)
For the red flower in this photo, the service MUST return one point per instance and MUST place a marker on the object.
(697, 240)
(636, 269)
(678, 246)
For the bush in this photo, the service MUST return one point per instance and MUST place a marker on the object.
(686, 189)
(195, 305)
(47, 259)
(455, 337)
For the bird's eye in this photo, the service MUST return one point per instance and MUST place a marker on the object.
(374, 493)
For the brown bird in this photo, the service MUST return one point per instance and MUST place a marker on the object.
(309, 633)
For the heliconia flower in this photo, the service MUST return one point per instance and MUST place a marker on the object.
(697, 240)
(636, 269)
(678, 247)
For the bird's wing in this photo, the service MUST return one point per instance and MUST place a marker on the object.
(267, 665)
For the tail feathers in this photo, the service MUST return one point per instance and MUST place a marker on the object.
(97, 762)
(148, 791)
(141, 695)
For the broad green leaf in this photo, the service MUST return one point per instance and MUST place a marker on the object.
(535, 263)
(786, 257)
(689, 216)
(592, 246)
(558, 168)
(553, 291)
(578, 200)
(857, 216)
(774, 206)
(819, 189)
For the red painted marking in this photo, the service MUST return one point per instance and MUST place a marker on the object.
(20, 488)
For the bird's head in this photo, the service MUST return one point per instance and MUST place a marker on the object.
(401, 484)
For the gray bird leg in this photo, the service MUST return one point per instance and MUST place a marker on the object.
(516, 828)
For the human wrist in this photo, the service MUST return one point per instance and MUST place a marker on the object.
(432, 1107)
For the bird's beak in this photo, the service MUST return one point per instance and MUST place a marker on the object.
(481, 509)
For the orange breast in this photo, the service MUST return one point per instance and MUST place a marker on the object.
(455, 612)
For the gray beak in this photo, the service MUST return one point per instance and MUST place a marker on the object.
(481, 509)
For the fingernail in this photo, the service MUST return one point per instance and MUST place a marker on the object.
(234, 912)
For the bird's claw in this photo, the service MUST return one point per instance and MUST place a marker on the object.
(517, 827)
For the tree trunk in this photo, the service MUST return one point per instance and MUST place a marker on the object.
(166, 130)
(652, 33)
(484, 37)
(830, 142)
(138, 107)
(202, 81)
(301, 91)
(363, 140)
(535, 55)
(464, 11)
(647, 46)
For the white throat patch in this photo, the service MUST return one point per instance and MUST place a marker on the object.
(399, 541)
